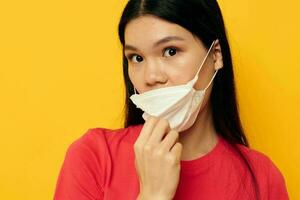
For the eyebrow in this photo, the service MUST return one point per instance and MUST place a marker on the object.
(159, 42)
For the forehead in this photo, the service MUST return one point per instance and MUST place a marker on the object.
(146, 30)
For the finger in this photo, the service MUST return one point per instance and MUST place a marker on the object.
(169, 141)
(147, 130)
(176, 150)
(160, 130)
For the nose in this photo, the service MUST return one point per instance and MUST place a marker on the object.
(154, 74)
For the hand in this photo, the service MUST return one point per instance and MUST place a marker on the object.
(157, 159)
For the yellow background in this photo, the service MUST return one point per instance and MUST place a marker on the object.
(61, 73)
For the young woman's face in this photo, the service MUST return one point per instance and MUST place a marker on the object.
(162, 54)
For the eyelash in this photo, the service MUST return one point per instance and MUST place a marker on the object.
(170, 47)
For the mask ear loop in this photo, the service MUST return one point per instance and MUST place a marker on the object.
(211, 79)
(205, 57)
(134, 90)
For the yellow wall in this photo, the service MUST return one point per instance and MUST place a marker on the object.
(61, 73)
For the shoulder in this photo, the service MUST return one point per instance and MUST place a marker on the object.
(100, 140)
(259, 159)
(267, 171)
(97, 137)
(87, 164)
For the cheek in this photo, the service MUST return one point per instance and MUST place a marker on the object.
(206, 97)
(182, 70)
(135, 78)
(201, 82)
(131, 76)
(204, 76)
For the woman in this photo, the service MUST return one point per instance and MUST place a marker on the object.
(183, 137)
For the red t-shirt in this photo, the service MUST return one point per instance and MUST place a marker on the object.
(100, 165)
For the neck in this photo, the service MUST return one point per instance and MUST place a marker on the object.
(200, 138)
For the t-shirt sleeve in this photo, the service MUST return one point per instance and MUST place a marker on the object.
(81, 175)
(278, 189)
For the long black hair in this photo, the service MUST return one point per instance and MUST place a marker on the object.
(203, 18)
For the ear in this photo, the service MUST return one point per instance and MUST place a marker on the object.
(217, 55)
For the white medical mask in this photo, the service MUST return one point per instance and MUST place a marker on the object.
(178, 104)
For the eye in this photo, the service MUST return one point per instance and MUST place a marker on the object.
(138, 57)
(171, 50)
